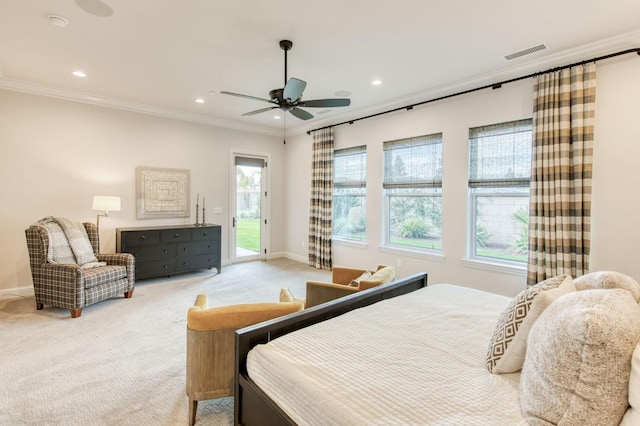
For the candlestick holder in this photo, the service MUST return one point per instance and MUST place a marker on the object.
(204, 222)
(197, 224)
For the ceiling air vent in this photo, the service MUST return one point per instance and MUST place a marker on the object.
(528, 51)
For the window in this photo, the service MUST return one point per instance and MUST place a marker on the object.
(413, 192)
(499, 175)
(349, 193)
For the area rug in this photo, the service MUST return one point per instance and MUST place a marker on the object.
(123, 361)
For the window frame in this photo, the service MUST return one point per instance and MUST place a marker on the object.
(389, 185)
(494, 187)
(351, 184)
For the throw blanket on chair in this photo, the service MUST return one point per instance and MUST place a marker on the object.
(68, 243)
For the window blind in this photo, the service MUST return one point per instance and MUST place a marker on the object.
(500, 154)
(350, 167)
(413, 162)
(250, 161)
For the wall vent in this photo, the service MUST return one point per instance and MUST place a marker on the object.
(528, 51)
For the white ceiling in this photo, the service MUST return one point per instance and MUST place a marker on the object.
(158, 56)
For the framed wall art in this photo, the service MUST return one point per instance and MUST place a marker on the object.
(162, 193)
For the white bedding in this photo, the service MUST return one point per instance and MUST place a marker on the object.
(415, 359)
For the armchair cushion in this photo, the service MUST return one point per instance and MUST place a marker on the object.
(201, 318)
(322, 292)
(287, 296)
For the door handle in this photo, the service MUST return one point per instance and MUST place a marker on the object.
(234, 222)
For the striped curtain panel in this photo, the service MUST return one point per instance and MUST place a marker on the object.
(320, 213)
(560, 210)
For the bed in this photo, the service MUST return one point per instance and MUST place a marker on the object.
(414, 354)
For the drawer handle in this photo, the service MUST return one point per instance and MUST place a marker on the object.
(205, 234)
(176, 235)
(184, 263)
(135, 254)
(164, 251)
(184, 249)
(164, 266)
(143, 238)
(209, 246)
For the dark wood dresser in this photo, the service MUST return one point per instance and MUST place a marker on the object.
(168, 250)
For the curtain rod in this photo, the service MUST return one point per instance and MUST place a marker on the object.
(492, 86)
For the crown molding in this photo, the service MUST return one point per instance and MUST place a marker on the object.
(121, 104)
(521, 67)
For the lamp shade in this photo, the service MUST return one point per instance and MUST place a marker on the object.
(102, 202)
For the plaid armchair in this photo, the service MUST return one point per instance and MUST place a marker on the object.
(69, 286)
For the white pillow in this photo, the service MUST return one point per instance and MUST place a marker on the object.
(508, 343)
(578, 361)
(632, 416)
(608, 280)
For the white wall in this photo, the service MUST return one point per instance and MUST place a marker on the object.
(615, 226)
(56, 155)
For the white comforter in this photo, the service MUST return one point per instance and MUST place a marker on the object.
(417, 359)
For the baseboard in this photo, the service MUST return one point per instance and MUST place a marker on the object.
(17, 291)
(297, 258)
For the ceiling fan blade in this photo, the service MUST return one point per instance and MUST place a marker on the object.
(293, 89)
(300, 113)
(258, 111)
(326, 103)
(245, 96)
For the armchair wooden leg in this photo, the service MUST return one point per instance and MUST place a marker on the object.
(75, 313)
(128, 294)
(193, 407)
(39, 306)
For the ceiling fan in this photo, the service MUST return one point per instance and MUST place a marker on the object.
(289, 98)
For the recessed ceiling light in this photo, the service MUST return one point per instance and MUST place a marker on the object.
(58, 21)
(79, 73)
(276, 117)
(200, 100)
(376, 82)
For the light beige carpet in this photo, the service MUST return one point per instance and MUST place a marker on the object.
(123, 361)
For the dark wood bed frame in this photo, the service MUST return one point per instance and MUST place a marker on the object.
(252, 405)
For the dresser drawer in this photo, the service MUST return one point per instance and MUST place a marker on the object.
(158, 252)
(195, 248)
(176, 235)
(207, 233)
(195, 262)
(141, 238)
(155, 268)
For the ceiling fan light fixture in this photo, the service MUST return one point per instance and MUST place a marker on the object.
(376, 82)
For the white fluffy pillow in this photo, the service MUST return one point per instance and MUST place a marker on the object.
(508, 343)
(632, 416)
(608, 280)
(578, 360)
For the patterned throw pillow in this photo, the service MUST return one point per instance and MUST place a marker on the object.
(364, 276)
(578, 364)
(509, 340)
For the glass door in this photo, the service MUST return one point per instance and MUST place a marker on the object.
(248, 220)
